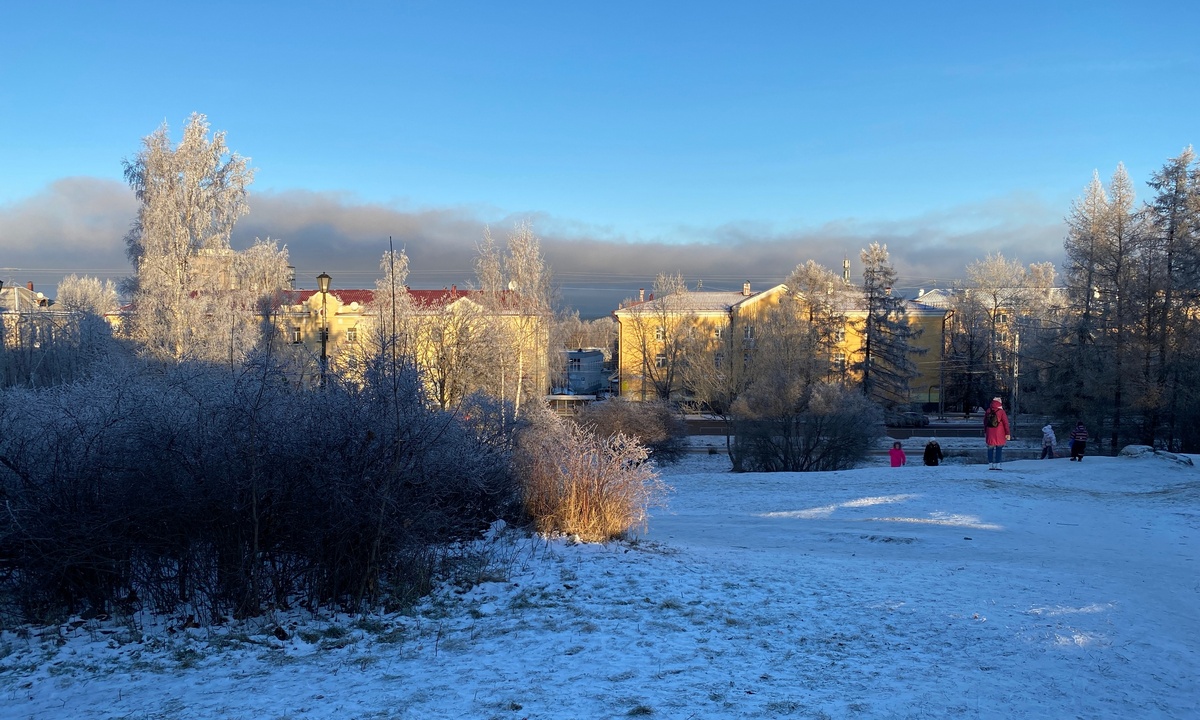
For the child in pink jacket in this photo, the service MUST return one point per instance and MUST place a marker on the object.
(897, 455)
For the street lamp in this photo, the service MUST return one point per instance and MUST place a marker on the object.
(323, 287)
(942, 369)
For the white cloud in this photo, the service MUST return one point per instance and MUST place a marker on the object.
(78, 224)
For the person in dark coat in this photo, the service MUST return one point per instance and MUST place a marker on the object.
(1079, 438)
(995, 433)
(933, 453)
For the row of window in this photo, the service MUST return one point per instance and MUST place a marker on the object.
(297, 336)
(721, 331)
(660, 360)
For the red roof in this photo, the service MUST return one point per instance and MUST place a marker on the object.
(362, 297)
(425, 298)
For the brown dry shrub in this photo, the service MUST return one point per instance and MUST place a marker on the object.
(578, 484)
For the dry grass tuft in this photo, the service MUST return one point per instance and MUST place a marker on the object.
(578, 484)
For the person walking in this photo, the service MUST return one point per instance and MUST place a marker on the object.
(933, 453)
(1048, 441)
(897, 455)
(995, 433)
(1079, 438)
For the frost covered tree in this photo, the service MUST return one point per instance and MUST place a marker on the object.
(518, 296)
(822, 298)
(393, 307)
(190, 196)
(1173, 360)
(1109, 265)
(999, 284)
(86, 294)
(58, 342)
(1116, 291)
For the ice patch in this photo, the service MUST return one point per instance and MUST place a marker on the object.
(1060, 610)
(952, 520)
(824, 511)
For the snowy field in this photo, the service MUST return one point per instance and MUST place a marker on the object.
(1049, 589)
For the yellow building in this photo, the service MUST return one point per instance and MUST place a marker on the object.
(459, 345)
(654, 335)
(928, 324)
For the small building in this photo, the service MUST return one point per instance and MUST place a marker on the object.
(584, 371)
(27, 319)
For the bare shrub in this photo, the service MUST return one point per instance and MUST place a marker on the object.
(578, 483)
(828, 427)
(658, 426)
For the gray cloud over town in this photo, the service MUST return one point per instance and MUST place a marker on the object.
(77, 225)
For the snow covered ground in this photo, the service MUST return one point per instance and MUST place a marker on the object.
(1049, 589)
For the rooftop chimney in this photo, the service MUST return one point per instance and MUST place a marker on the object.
(746, 288)
(641, 294)
(29, 285)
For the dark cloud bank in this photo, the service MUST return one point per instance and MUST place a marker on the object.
(76, 225)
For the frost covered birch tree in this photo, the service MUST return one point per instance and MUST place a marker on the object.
(190, 196)
(86, 294)
(518, 295)
(822, 299)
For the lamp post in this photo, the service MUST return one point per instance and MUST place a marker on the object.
(323, 287)
(1016, 370)
(942, 369)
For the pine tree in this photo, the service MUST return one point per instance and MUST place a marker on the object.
(1174, 217)
(885, 363)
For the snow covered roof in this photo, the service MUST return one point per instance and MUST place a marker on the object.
(422, 298)
(701, 301)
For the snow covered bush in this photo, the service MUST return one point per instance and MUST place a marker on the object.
(188, 485)
(581, 484)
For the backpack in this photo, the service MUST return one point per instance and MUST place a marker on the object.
(992, 419)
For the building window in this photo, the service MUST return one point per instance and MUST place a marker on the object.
(660, 333)
(720, 331)
(718, 360)
(1001, 318)
(748, 332)
(352, 335)
(295, 334)
(574, 365)
(660, 360)
(839, 361)
(839, 336)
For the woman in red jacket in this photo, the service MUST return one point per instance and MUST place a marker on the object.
(995, 433)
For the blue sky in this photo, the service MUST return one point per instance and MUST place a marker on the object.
(626, 126)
